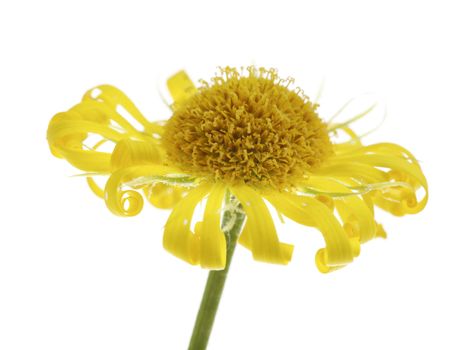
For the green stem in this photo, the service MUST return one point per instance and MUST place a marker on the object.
(233, 218)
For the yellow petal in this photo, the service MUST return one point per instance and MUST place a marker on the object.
(398, 201)
(181, 87)
(326, 200)
(350, 169)
(99, 192)
(95, 115)
(66, 133)
(95, 188)
(307, 211)
(178, 239)
(212, 239)
(394, 189)
(100, 113)
(163, 196)
(129, 152)
(349, 145)
(114, 98)
(385, 148)
(353, 210)
(129, 203)
(259, 233)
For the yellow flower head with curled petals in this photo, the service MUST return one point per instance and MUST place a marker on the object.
(247, 133)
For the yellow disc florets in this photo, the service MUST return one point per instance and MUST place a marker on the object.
(247, 126)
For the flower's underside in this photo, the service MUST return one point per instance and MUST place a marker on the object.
(245, 134)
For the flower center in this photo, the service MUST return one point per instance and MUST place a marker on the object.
(247, 127)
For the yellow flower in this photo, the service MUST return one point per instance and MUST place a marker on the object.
(247, 133)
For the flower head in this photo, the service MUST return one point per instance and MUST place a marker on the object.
(250, 135)
(248, 129)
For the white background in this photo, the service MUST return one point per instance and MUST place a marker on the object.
(73, 276)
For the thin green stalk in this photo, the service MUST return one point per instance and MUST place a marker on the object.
(232, 223)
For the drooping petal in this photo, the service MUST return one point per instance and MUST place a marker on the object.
(259, 234)
(402, 167)
(354, 212)
(181, 87)
(212, 239)
(340, 249)
(178, 239)
(389, 172)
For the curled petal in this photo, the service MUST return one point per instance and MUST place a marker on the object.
(66, 134)
(68, 131)
(99, 113)
(178, 239)
(212, 239)
(397, 200)
(259, 234)
(129, 152)
(340, 249)
(388, 170)
(115, 98)
(354, 212)
(129, 203)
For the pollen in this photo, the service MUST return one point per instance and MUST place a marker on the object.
(247, 126)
